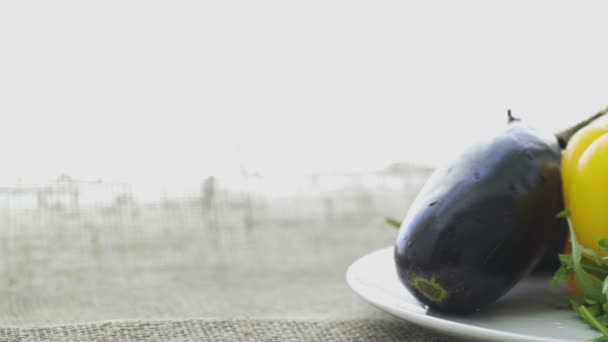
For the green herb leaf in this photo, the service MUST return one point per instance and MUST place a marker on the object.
(603, 244)
(591, 320)
(566, 261)
(599, 271)
(393, 222)
(575, 302)
(561, 275)
(563, 214)
(591, 287)
(605, 287)
(569, 300)
(593, 255)
(603, 318)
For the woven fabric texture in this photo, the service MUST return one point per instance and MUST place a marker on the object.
(219, 265)
(248, 331)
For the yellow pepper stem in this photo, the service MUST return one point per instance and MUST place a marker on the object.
(564, 136)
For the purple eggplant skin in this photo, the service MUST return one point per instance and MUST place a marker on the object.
(482, 222)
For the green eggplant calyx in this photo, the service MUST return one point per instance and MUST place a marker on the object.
(431, 289)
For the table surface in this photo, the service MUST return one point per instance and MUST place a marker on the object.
(220, 265)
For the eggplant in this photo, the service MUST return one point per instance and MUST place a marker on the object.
(483, 221)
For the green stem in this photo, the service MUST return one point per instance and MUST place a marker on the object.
(564, 136)
(393, 222)
(583, 311)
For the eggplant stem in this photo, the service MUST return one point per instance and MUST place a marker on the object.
(563, 137)
(511, 117)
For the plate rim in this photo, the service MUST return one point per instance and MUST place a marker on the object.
(448, 327)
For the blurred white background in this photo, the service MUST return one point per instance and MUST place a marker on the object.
(165, 93)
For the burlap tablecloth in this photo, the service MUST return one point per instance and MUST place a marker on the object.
(192, 270)
(241, 330)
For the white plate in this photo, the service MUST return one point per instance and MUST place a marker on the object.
(529, 312)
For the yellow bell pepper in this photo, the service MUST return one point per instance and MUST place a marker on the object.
(585, 184)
